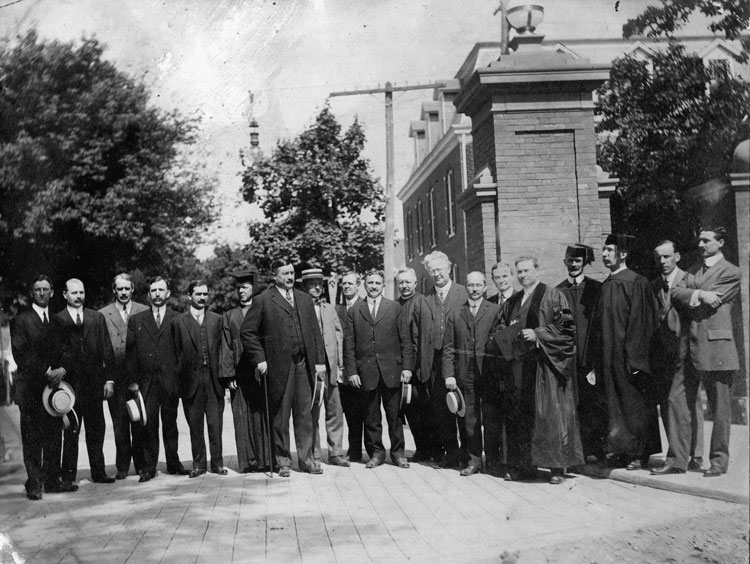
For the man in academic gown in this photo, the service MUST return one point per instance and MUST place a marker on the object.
(583, 294)
(535, 334)
(625, 323)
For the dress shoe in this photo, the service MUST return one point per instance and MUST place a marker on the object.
(666, 470)
(178, 471)
(420, 456)
(249, 469)
(450, 461)
(556, 479)
(634, 465)
(145, 477)
(713, 472)
(121, 475)
(61, 487)
(592, 459)
(338, 461)
(34, 495)
(401, 462)
(102, 479)
(220, 470)
(695, 465)
(470, 470)
(374, 462)
(314, 468)
(285, 472)
(196, 473)
(510, 476)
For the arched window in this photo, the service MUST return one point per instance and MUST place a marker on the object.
(420, 228)
(450, 207)
(431, 217)
(409, 234)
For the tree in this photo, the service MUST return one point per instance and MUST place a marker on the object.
(663, 133)
(320, 201)
(728, 16)
(93, 178)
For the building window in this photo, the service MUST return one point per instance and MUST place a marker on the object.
(409, 235)
(450, 199)
(420, 228)
(431, 217)
(454, 272)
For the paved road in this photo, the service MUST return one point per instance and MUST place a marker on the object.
(423, 514)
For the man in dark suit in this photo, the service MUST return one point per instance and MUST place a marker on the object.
(583, 294)
(200, 380)
(502, 276)
(151, 358)
(117, 315)
(466, 333)
(248, 405)
(430, 317)
(38, 351)
(89, 360)
(378, 356)
(681, 409)
(352, 401)
(280, 336)
(709, 293)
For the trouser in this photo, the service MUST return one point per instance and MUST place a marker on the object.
(90, 411)
(493, 422)
(295, 402)
(718, 386)
(470, 425)
(444, 421)
(684, 417)
(334, 423)
(205, 405)
(159, 401)
(391, 400)
(593, 417)
(518, 419)
(121, 425)
(419, 417)
(355, 410)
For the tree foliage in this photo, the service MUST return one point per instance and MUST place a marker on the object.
(665, 132)
(320, 201)
(730, 17)
(93, 178)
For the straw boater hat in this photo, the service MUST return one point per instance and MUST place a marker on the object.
(408, 394)
(59, 402)
(311, 274)
(317, 396)
(137, 409)
(455, 401)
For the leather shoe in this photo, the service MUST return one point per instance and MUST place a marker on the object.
(103, 479)
(510, 476)
(338, 461)
(401, 462)
(34, 495)
(666, 470)
(713, 472)
(470, 470)
(634, 465)
(145, 477)
(249, 469)
(220, 470)
(694, 465)
(121, 475)
(449, 461)
(314, 468)
(179, 471)
(420, 456)
(196, 473)
(374, 462)
(556, 479)
(285, 472)
(61, 487)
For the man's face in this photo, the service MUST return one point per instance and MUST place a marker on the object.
(158, 293)
(503, 279)
(123, 291)
(373, 286)
(475, 285)
(284, 277)
(574, 265)
(245, 292)
(667, 258)
(199, 297)
(611, 257)
(440, 272)
(407, 284)
(349, 286)
(709, 244)
(314, 287)
(74, 293)
(527, 273)
(41, 292)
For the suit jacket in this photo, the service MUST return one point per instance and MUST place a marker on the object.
(118, 335)
(494, 299)
(466, 338)
(377, 348)
(267, 333)
(88, 356)
(425, 317)
(333, 341)
(711, 337)
(670, 314)
(190, 355)
(341, 311)
(151, 353)
(35, 348)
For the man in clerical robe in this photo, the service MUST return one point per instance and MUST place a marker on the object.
(534, 336)
(625, 323)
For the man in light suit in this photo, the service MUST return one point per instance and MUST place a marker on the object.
(151, 359)
(430, 317)
(280, 336)
(200, 383)
(709, 293)
(333, 341)
(248, 406)
(88, 359)
(466, 333)
(117, 315)
(378, 357)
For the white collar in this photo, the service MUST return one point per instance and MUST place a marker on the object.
(623, 267)
(40, 311)
(710, 261)
(445, 289)
(128, 306)
(671, 276)
(350, 303)
(160, 309)
(577, 280)
(197, 312)
(73, 311)
(476, 303)
(528, 291)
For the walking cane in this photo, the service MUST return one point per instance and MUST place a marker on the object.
(268, 422)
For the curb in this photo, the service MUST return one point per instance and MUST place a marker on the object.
(10, 468)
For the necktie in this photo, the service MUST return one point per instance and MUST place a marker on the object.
(78, 319)
(125, 313)
(501, 300)
(199, 318)
(474, 309)
(44, 318)
(289, 298)
(665, 286)
(373, 308)
(319, 315)
(158, 318)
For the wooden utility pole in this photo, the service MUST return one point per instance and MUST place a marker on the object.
(390, 204)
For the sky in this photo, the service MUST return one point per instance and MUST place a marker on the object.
(203, 56)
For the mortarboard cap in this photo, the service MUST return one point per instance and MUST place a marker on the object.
(577, 250)
(245, 275)
(623, 241)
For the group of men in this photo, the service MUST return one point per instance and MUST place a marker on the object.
(540, 377)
